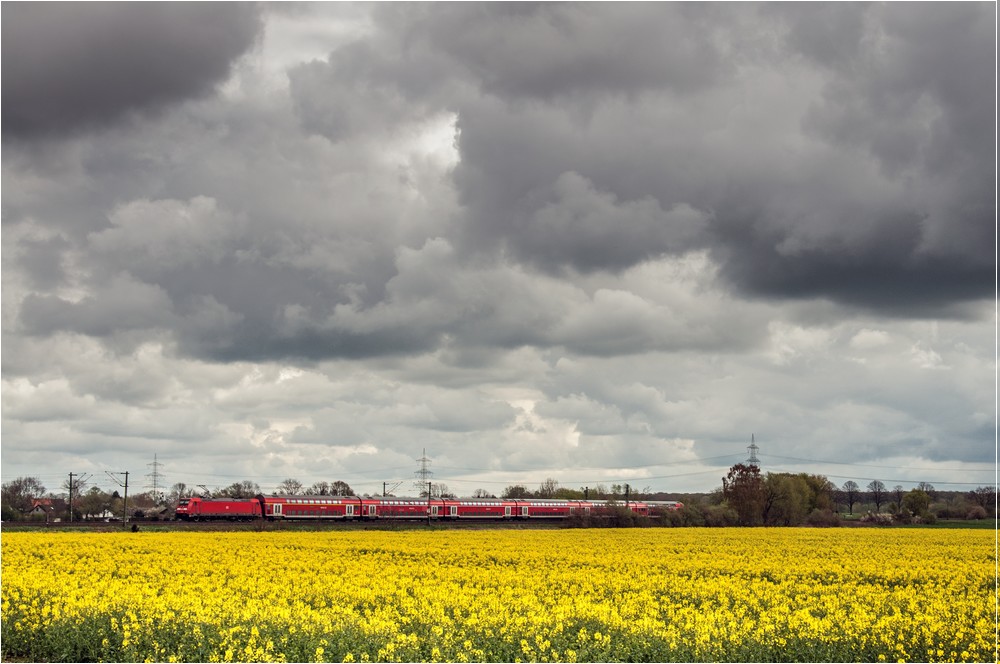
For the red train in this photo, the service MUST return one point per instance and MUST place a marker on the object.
(317, 508)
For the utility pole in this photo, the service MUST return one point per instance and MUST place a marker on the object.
(82, 478)
(125, 499)
(428, 503)
(71, 497)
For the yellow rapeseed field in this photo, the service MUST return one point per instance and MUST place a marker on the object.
(570, 595)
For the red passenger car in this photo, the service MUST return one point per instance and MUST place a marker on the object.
(203, 509)
(311, 507)
(546, 509)
(476, 508)
(403, 508)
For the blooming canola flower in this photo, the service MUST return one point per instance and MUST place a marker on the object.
(501, 595)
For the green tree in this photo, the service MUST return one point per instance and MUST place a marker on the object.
(917, 502)
(94, 503)
(743, 489)
(787, 499)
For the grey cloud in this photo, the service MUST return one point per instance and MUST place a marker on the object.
(41, 261)
(589, 229)
(69, 66)
(659, 236)
(550, 50)
(124, 304)
(915, 235)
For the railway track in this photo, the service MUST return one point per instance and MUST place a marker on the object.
(148, 525)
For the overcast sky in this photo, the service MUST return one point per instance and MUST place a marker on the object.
(592, 242)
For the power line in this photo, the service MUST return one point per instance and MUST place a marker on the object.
(885, 479)
(540, 470)
(863, 465)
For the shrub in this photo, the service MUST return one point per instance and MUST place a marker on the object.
(977, 513)
(670, 518)
(692, 515)
(878, 518)
(823, 518)
(721, 515)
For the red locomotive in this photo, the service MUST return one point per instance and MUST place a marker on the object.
(204, 509)
(349, 508)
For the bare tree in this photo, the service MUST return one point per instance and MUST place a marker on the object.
(482, 493)
(927, 488)
(850, 492)
(244, 489)
(548, 488)
(17, 495)
(516, 491)
(898, 493)
(876, 489)
(291, 487)
(178, 492)
(319, 489)
(340, 488)
(985, 497)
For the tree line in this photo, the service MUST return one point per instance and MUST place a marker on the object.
(26, 498)
(747, 497)
(788, 499)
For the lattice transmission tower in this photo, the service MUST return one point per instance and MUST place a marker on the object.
(423, 473)
(752, 460)
(155, 483)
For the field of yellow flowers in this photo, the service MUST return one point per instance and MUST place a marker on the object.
(568, 595)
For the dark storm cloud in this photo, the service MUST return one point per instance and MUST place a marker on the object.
(41, 261)
(557, 50)
(839, 151)
(592, 138)
(69, 66)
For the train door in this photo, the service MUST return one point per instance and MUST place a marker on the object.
(434, 510)
(524, 510)
(453, 510)
(276, 510)
(506, 510)
(350, 510)
(371, 510)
